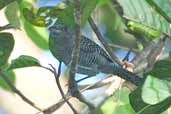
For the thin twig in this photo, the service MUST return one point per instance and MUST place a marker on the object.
(19, 93)
(97, 84)
(57, 75)
(122, 47)
(155, 52)
(104, 43)
(143, 55)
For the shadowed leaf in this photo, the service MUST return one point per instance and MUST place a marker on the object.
(23, 61)
(6, 47)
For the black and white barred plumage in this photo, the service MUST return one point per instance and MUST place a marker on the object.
(92, 58)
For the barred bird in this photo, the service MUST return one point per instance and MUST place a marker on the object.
(92, 58)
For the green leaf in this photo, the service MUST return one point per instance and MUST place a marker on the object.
(111, 25)
(160, 9)
(143, 108)
(23, 61)
(38, 35)
(11, 13)
(118, 103)
(124, 109)
(87, 6)
(141, 11)
(33, 19)
(155, 90)
(11, 76)
(161, 69)
(6, 47)
(3, 3)
(140, 28)
(66, 15)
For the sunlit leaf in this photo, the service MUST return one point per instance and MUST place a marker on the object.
(124, 109)
(142, 12)
(23, 61)
(38, 35)
(159, 9)
(6, 47)
(140, 28)
(11, 13)
(141, 107)
(155, 90)
(3, 3)
(87, 6)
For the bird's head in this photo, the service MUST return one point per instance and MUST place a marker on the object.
(58, 28)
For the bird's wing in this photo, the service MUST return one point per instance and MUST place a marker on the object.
(88, 46)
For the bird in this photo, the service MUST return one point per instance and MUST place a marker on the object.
(92, 59)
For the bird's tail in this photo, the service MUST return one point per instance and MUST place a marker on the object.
(129, 76)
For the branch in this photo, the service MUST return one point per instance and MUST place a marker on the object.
(151, 52)
(73, 87)
(14, 89)
(143, 55)
(56, 106)
(57, 75)
(102, 82)
(123, 47)
(156, 51)
(101, 39)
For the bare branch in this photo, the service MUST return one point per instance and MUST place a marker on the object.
(19, 93)
(151, 52)
(155, 52)
(143, 55)
(101, 39)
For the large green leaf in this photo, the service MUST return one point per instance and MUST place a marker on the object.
(162, 9)
(155, 95)
(3, 3)
(23, 61)
(6, 47)
(38, 35)
(162, 69)
(143, 108)
(155, 90)
(111, 26)
(118, 104)
(141, 11)
(11, 13)
(87, 7)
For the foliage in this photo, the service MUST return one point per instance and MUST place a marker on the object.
(23, 61)
(149, 18)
